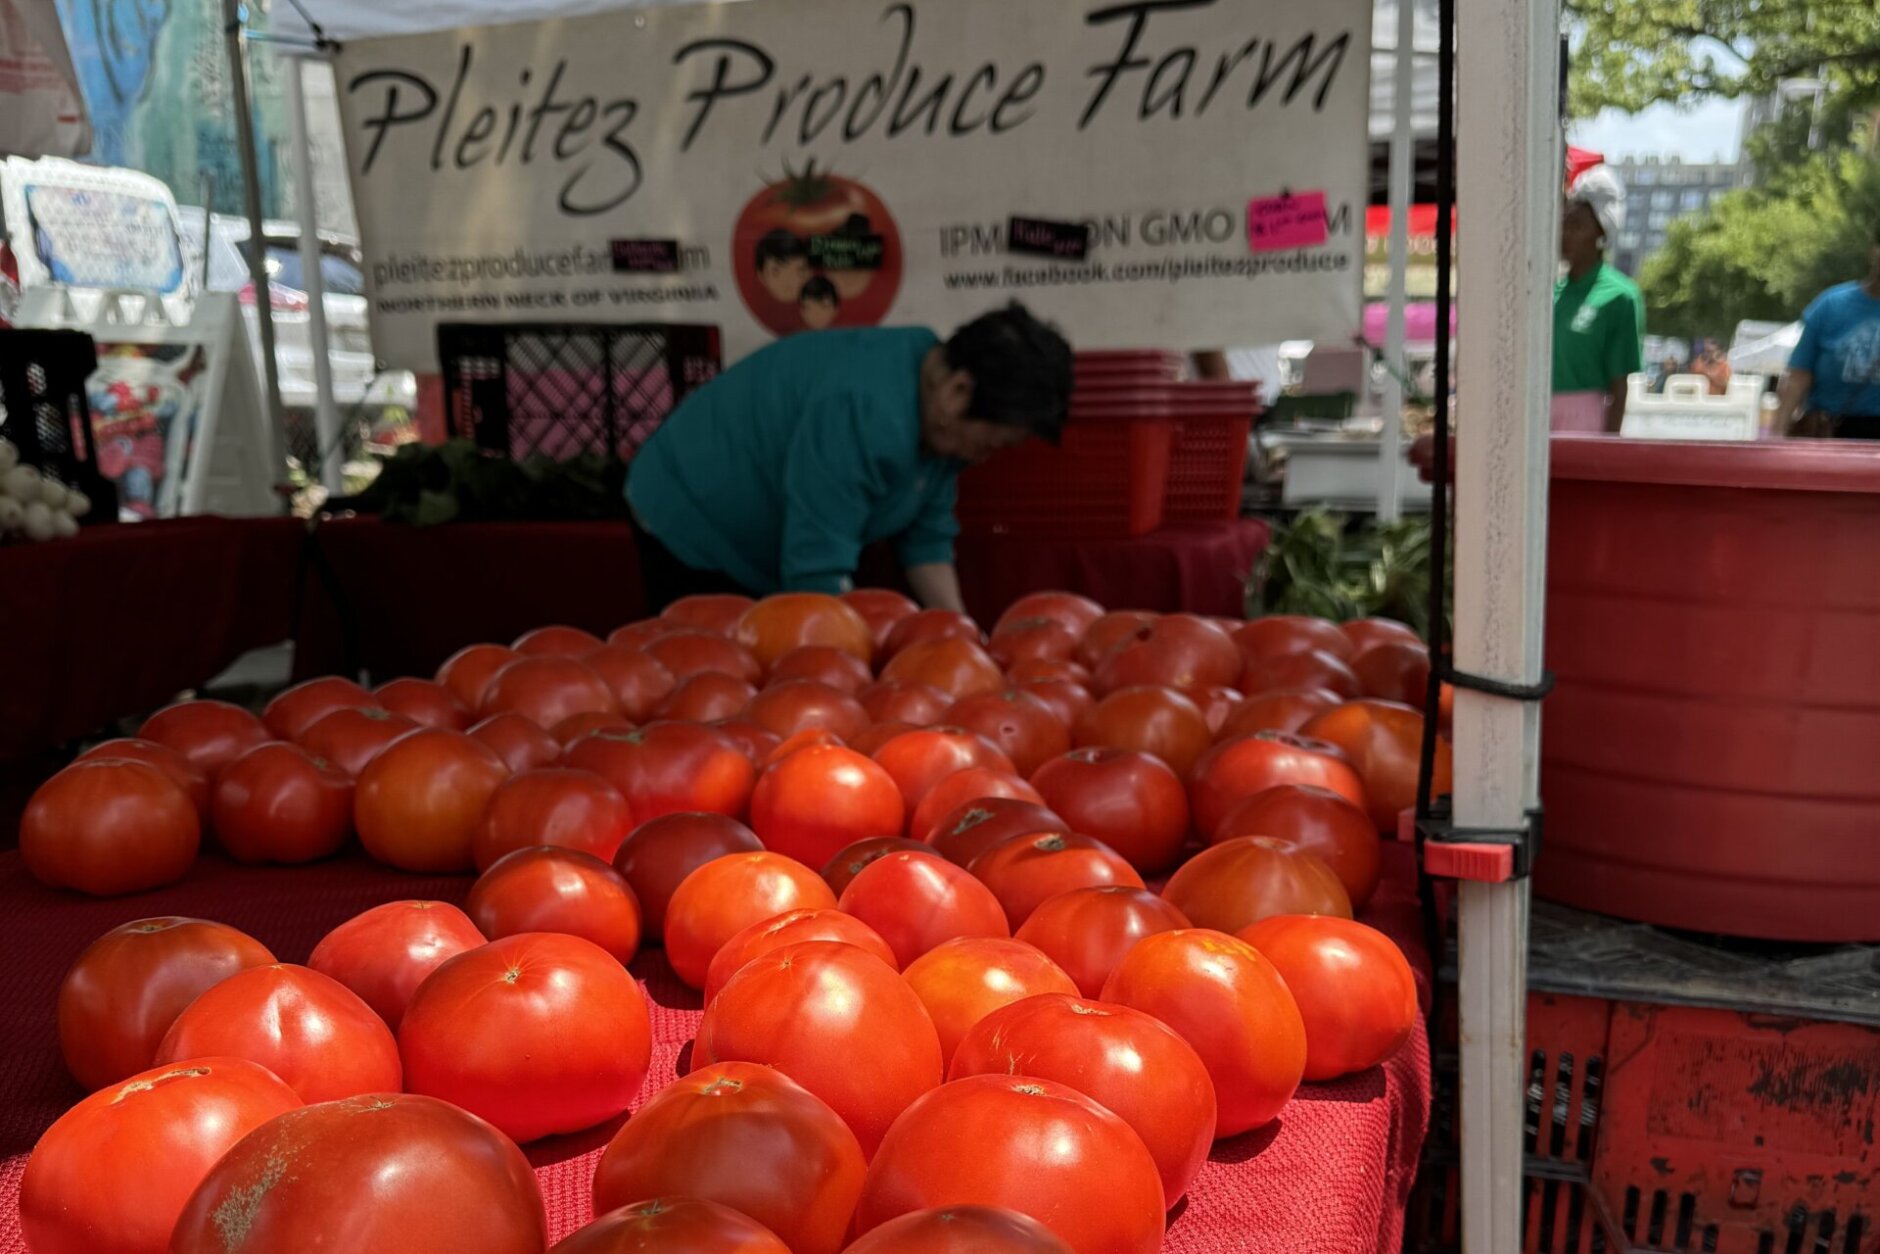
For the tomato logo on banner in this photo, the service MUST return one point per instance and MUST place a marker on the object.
(815, 250)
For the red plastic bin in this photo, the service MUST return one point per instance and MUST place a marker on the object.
(1208, 458)
(1108, 477)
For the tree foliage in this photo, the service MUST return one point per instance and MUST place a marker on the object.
(1628, 54)
(1765, 252)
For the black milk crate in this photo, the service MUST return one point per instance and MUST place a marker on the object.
(45, 412)
(567, 388)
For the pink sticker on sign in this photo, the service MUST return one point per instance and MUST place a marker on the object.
(1290, 220)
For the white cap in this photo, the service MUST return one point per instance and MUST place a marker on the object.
(1600, 190)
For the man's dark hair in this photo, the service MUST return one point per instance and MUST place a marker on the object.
(1021, 370)
(780, 245)
(818, 287)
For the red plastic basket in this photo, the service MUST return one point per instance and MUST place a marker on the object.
(1108, 477)
(1208, 457)
(1106, 368)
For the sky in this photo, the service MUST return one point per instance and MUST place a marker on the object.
(1708, 132)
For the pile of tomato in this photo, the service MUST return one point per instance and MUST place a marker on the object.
(996, 935)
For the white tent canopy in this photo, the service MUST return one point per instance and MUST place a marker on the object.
(41, 111)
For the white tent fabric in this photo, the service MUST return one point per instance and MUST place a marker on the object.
(41, 111)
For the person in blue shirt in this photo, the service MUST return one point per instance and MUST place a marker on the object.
(1833, 382)
(776, 475)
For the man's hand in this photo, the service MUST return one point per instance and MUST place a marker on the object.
(936, 586)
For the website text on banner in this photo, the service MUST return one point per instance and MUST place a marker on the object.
(796, 164)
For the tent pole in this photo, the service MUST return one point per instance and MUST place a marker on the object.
(1402, 159)
(258, 243)
(329, 456)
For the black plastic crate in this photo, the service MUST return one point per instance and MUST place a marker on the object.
(563, 388)
(45, 413)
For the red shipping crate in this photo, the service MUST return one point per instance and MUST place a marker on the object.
(1107, 478)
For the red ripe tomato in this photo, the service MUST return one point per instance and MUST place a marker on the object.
(538, 1033)
(418, 804)
(1088, 930)
(1223, 998)
(468, 671)
(1069, 701)
(1384, 741)
(968, 830)
(727, 895)
(1284, 709)
(837, 1020)
(916, 901)
(1277, 635)
(192, 779)
(384, 954)
(279, 803)
(555, 641)
(974, 784)
(706, 698)
(546, 889)
(1130, 1063)
(1025, 728)
(869, 740)
(1148, 719)
(1238, 882)
(657, 856)
(1029, 671)
(1026, 871)
(575, 726)
(1394, 670)
(881, 609)
(819, 800)
(552, 806)
(1032, 640)
(1130, 801)
(114, 1172)
(1176, 651)
(672, 1225)
(669, 768)
(301, 706)
(638, 635)
(714, 612)
(211, 734)
(778, 624)
(1236, 769)
(848, 864)
(307, 1028)
(898, 701)
(753, 741)
(521, 745)
(545, 689)
(1074, 612)
(109, 826)
(963, 981)
(1313, 668)
(920, 759)
(1319, 822)
(689, 654)
(931, 625)
(425, 703)
(747, 1137)
(798, 704)
(792, 927)
(352, 737)
(956, 666)
(825, 664)
(961, 1230)
(799, 740)
(1215, 702)
(638, 680)
(1365, 632)
(1032, 1145)
(387, 1171)
(1356, 993)
(1111, 632)
(129, 985)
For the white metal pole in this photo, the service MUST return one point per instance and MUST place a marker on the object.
(1509, 186)
(1402, 164)
(257, 252)
(330, 455)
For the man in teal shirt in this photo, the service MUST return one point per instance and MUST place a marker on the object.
(778, 473)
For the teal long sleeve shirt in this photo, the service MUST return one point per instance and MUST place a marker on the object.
(783, 468)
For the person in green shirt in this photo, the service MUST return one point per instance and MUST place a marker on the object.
(1599, 313)
(776, 475)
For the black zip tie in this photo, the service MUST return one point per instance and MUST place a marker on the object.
(1495, 687)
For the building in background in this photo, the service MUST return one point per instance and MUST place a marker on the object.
(1658, 192)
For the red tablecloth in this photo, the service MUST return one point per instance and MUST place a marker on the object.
(1330, 1176)
(119, 619)
(398, 600)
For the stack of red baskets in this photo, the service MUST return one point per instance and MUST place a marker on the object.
(1141, 449)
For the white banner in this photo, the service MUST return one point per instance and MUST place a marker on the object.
(41, 114)
(1161, 173)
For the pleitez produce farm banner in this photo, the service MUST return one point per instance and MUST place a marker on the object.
(1161, 173)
